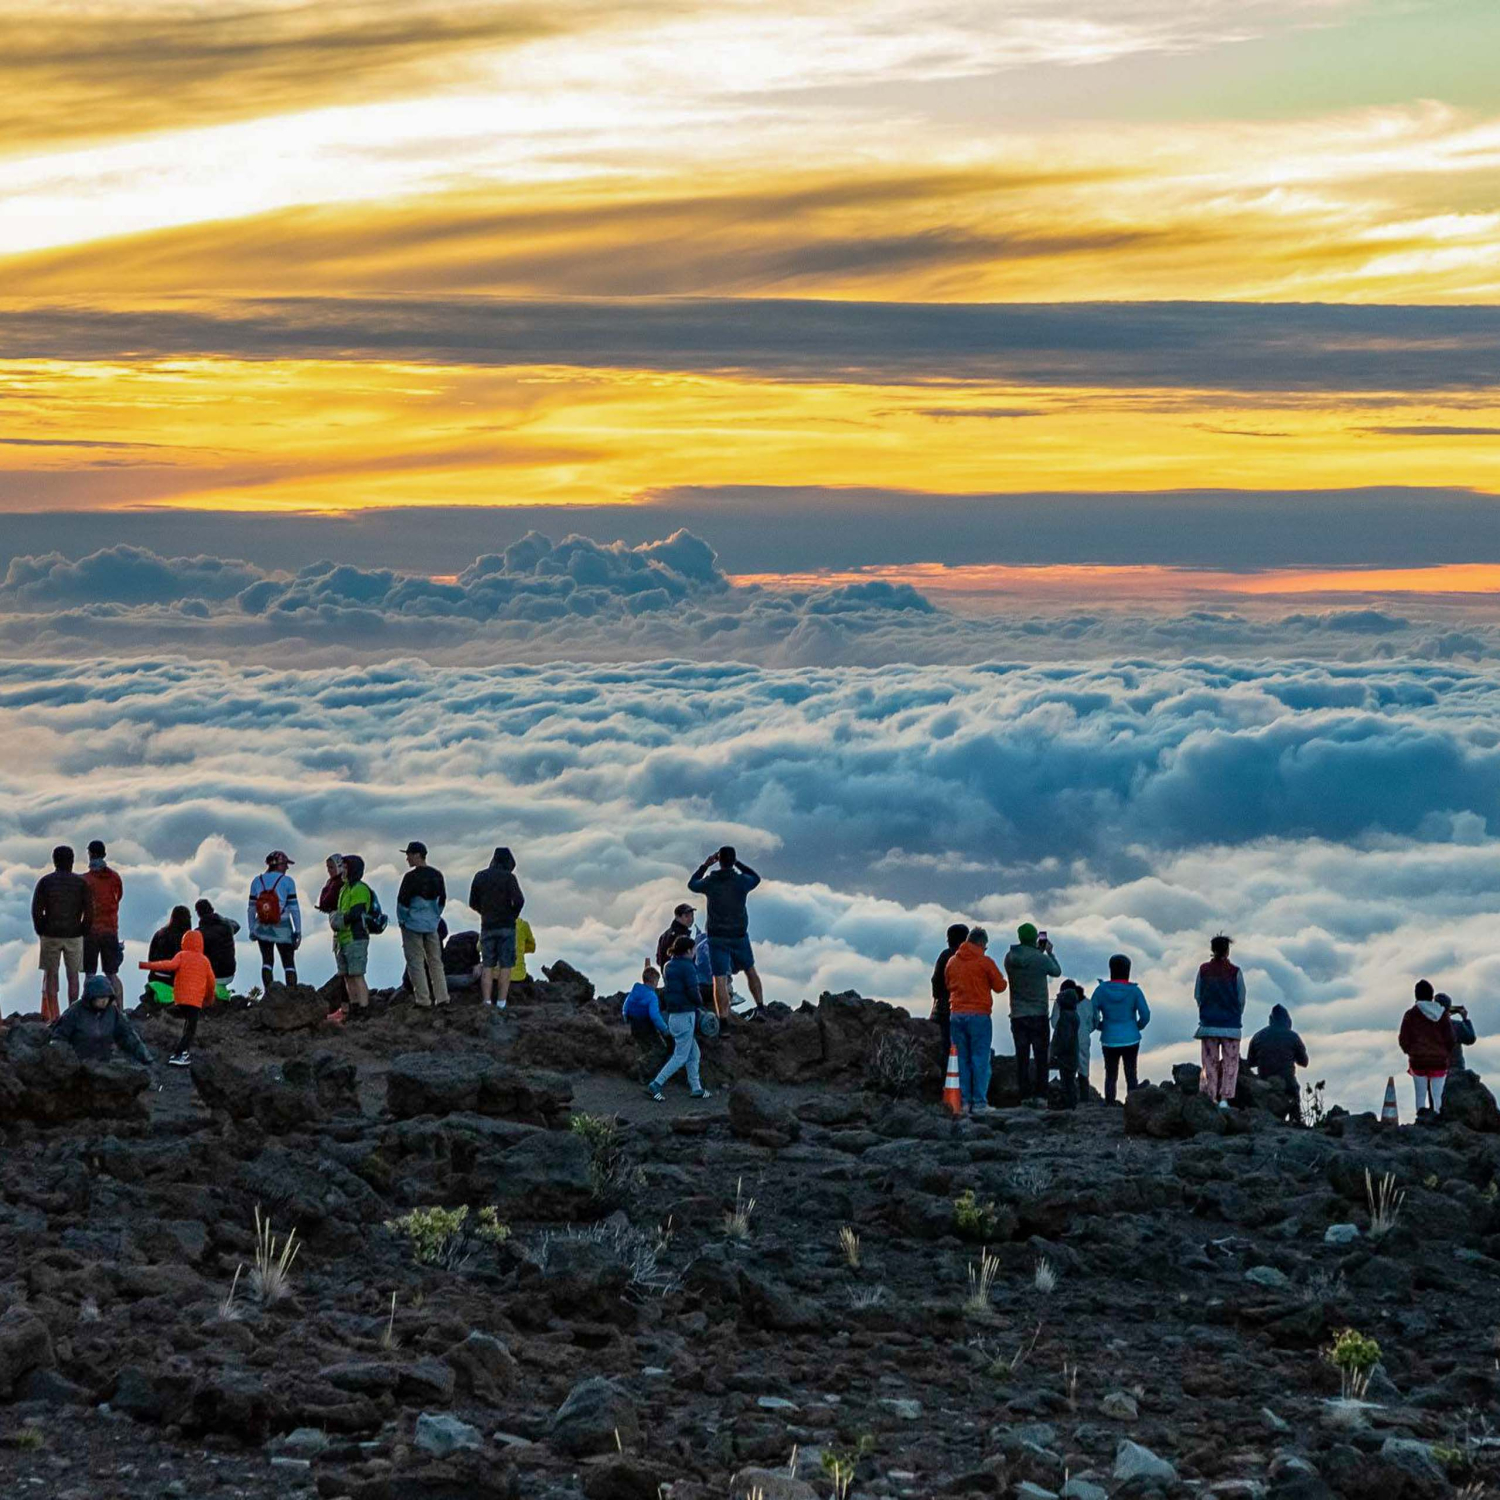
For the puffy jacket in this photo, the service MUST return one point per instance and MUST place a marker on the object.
(670, 936)
(105, 891)
(421, 899)
(703, 960)
(192, 974)
(61, 906)
(1029, 967)
(525, 943)
(1276, 1051)
(643, 1004)
(726, 914)
(1123, 1012)
(940, 986)
(1064, 1051)
(1088, 1024)
(289, 928)
(1427, 1037)
(166, 942)
(218, 943)
(679, 992)
(94, 1034)
(496, 894)
(972, 979)
(1220, 993)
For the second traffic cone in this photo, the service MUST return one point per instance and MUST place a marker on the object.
(1388, 1112)
(952, 1094)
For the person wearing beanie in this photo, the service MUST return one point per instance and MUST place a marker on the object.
(101, 943)
(1029, 964)
(1220, 993)
(1426, 1037)
(95, 1026)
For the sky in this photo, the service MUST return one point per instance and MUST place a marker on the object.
(994, 457)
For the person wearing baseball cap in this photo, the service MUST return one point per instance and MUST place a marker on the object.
(682, 926)
(275, 918)
(419, 911)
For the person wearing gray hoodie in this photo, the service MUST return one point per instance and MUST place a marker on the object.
(1029, 964)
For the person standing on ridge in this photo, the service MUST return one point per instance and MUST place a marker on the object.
(957, 933)
(218, 943)
(1123, 1015)
(192, 988)
(1427, 1040)
(496, 895)
(1463, 1032)
(727, 923)
(62, 910)
(681, 926)
(101, 943)
(1276, 1051)
(1064, 1051)
(972, 980)
(419, 911)
(679, 1004)
(351, 933)
(1029, 964)
(1088, 1024)
(275, 918)
(1220, 993)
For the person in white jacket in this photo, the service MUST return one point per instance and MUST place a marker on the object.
(275, 918)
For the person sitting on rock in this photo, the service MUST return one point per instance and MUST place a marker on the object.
(275, 918)
(679, 1004)
(218, 943)
(1063, 1053)
(642, 1012)
(95, 1026)
(957, 933)
(192, 988)
(973, 980)
(681, 925)
(1427, 1039)
(727, 923)
(166, 942)
(1276, 1051)
(1123, 1015)
(525, 944)
(1220, 993)
(1463, 1032)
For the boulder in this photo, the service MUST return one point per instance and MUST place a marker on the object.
(25, 1345)
(1467, 1101)
(595, 1412)
(1132, 1461)
(769, 1484)
(440, 1434)
(755, 1115)
(157, 1395)
(544, 1175)
(484, 1367)
(1156, 1112)
(47, 1082)
(332, 1080)
(565, 983)
(440, 1083)
(260, 1094)
(622, 1478)
(297, 1007)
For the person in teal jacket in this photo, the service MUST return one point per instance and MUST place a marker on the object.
(1123, 1015)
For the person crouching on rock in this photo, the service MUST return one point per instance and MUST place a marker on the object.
(218, 943)
(973, 979)
(642, 1012)
(1427, 1040)
(95, 1026)
(1220, 993)
(192, 989)
(1276, 1051)
(1123, 1015)
(1064, 1051)
(679, 1004)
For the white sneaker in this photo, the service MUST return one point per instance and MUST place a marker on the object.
(1223, 1104)
(180, 1060)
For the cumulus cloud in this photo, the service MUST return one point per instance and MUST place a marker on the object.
(1338, 819)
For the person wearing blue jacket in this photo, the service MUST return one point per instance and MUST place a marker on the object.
(679, 1004)
(1123, 1014)
(642, 1008)
(1220, 993)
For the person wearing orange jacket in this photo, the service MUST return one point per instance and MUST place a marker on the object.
(192, 988)
(973, 981)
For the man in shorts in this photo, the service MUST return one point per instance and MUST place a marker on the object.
(61, 913)
(496, 895)
(102, 948)
(727, 923)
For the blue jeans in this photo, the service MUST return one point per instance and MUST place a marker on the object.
(683, 1024)
(973, 1036)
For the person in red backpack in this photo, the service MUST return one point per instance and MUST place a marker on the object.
(276, 918)
(101, 943)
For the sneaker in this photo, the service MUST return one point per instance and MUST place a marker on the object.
(654, 1093)
(180, 1060)
(1223, 1104)
(700, 1094)
(979, 1109)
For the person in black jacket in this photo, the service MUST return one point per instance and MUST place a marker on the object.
(1464, 1034)
(61, 911)
(727, 923)
(1276, 1051)
(957, 934)
(94, 1027)
(682, 926)
(496, 895)
(218, 941)
(166, 942)
(679, 1006)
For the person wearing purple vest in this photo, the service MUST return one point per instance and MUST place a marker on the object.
(1220, 993)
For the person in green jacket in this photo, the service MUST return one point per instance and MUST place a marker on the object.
(351, 937)
(1029, 964)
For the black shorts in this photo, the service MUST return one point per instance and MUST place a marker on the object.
(103, 950)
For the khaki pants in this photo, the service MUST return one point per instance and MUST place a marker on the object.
(424, 966)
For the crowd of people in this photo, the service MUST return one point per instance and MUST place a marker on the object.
(687, 992)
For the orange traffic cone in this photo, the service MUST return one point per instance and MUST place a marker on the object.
(1388, 1114)
(952, 1094)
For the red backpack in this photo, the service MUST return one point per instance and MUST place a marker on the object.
(268, 905)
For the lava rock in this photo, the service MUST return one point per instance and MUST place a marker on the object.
(25, 1345)
(755, 1115)
(595, 1411)
(440, 1434)
(1466, 1101)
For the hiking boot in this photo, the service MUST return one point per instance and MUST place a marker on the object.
(180, 1060)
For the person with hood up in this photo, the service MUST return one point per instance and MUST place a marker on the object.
(1220, 993)
(727, 923)
(275, 918)
(328, 897)
(1463, 1032)
(1088, 1024)
(681, 925)
(1123, 1015)
(496, 895)
(957, 933)
(1276, 1051)
(419, 913)
(1064, 1050)
(1427, 1040)
(642, 1013)
(218, 943)
(973, 980)
(166, 942)
(96, 1025)
(351, 933)
(62, 910)
(679, 1004)
(192, 988)
(101, 943)
(1029, 964)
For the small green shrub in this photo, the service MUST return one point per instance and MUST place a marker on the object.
(1354, 1356)
(447, 1237)
(974, 1218)
(611, 1174)
(839, 1464)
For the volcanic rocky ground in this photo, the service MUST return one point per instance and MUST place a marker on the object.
(623, 1343)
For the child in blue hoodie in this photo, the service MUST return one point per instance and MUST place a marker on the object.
(642, 1012)
(1123, 1014)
